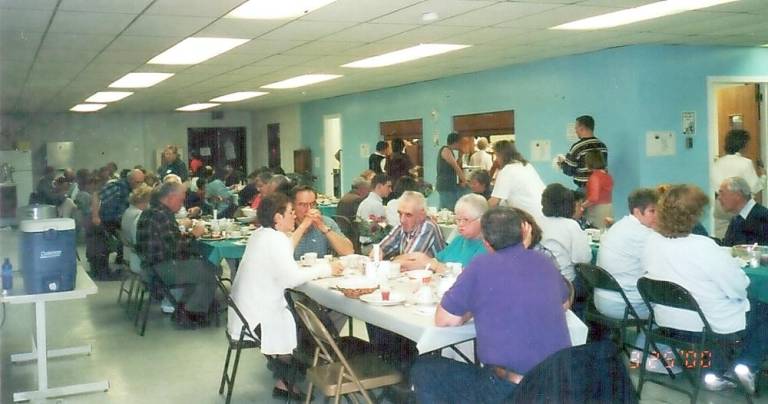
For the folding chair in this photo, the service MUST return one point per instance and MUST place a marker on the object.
(599, 278)
(333, 374)
(655, 292)
(152, 286)
(350, 231)
(249, 339)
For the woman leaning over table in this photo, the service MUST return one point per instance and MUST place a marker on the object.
(699, 265)
(468, 244)
(266, 270)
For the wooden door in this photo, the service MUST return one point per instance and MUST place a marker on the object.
(738, 108)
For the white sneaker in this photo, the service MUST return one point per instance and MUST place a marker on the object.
(746, 377)
(167, 307)
(714, 383)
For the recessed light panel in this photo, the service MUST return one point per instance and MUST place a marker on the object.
(301, 81)
(108, 96)
(405, 55)
(239, 96)
(87, 107)
(195, 50)
(197, 107)
(140, 80)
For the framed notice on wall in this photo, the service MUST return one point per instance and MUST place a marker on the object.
(689, 123)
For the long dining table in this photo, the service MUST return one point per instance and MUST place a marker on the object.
(411, 320)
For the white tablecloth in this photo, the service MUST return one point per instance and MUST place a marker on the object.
(411, 321)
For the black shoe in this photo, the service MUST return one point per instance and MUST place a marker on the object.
(288, 395)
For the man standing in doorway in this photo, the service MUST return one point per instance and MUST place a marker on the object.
(450, 176)
(574, 164)
(378, 159)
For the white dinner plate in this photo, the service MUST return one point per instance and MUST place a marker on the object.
(419, 274)
(375, 299)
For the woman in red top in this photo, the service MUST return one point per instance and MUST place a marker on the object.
(599, 188)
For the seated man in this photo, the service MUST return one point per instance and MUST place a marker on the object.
(373, 204)
(315, 232)
(416, 233)
(621, 254)
(510, 341)
(750, 225)
(349, 203)
(160, 245)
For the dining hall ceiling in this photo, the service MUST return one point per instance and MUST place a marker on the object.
(56, 53)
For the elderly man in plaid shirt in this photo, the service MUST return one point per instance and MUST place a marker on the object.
(161, 246)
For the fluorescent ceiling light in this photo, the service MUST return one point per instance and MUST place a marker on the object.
(140, 80)
(108, 96)
(641, 13)
(87, 107)
(239, 96)
(304, 80)
(277, 9)
(405, 55)
(197, 107)
(195, 50)
(765, 46)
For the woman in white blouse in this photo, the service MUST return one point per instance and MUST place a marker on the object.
(564, 238)
(517, 183)
(139, 200)
(265, 272)
(698, 264)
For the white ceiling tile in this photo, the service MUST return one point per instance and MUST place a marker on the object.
(105, 6)
(29, 4)
(252, 71)
(306, 30)
(154, 25)
(89, 23)
(24, 20)
(284, 60)
(663, 23)
(200, 8)
(444, 9)
(19, 41)
(323, 48)
(120, 57)
(617, 3)
(557, 16)
(240, 28)
(19, 55)
(750, 6)
(425, 34)
(234, 60)
(62, 41)
(106, 71)
(370, 32)
(483, 35)
(357, 10)
(496, 13)
(714, 26)
(51, 55)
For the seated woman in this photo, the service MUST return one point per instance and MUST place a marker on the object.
(480, 183)
(139, 201)
(564, 238)
(468, 244)
(267, 269)
(217, 194)
(698, 264)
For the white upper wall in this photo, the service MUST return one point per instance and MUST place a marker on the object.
(125, 138)
(289, 118)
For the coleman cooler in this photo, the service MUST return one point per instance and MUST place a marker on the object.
(47, 252)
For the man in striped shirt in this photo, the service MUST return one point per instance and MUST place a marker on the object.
(574, 165)
(416, 233)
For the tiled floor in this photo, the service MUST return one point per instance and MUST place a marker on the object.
(167, 365)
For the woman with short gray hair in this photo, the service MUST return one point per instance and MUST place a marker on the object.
(466, 245)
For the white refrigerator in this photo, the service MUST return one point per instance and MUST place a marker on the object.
(21, 161)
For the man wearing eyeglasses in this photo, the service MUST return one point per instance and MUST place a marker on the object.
(315, 232)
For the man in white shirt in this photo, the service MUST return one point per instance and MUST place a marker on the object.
(733, 164)
(481, 158)
(373, 204)
(621, 251)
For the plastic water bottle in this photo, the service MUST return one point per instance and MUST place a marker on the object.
(7, 276)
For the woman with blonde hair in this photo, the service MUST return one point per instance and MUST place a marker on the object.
(138, 201)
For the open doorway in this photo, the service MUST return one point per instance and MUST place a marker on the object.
(332, 154)
(218, 147)
(737, 103)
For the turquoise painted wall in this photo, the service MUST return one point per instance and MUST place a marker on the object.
(628, 90)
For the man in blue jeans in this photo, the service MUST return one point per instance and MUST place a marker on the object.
(515, 297)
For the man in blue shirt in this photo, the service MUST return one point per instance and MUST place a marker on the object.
(315, 232)
(514, 295)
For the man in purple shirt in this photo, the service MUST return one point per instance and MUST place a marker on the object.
(515, 297)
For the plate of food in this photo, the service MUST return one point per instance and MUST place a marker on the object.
(354, 287)
(212, 236)
(377, 298)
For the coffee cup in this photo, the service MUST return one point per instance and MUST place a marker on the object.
(424, 295)
(309, 259)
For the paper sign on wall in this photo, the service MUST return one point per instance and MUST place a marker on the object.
(365, 150)
(541, 150)
(689, 123)
(659, 143)
(205, 151)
